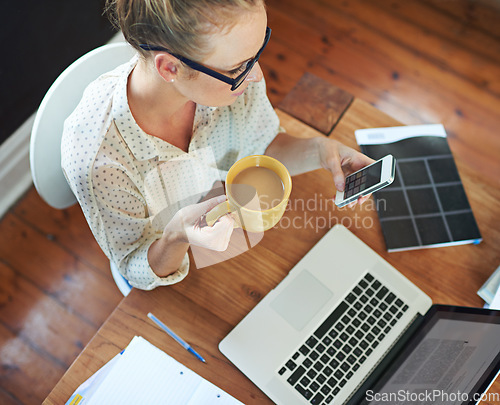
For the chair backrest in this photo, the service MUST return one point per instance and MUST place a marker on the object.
(59, 102)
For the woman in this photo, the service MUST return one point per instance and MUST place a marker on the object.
(149, 140)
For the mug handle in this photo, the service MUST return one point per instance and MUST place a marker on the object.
(218, 211)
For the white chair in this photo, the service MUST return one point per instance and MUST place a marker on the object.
(59, 102)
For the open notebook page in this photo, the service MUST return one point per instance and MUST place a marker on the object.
(146, 375)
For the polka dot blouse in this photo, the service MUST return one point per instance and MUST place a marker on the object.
(130, 184)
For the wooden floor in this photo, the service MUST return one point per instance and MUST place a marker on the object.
(425, 61)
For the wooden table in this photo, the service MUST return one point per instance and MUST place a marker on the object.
(211, 301)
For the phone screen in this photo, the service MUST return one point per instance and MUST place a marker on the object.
(363, 179)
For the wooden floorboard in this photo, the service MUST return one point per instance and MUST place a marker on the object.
(27, 374)
(55, 292)
(425, 61)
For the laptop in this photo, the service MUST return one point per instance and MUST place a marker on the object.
(344, 326)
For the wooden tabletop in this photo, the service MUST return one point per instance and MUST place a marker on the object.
(205, 306)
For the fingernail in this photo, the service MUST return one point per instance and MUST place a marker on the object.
(221, 198)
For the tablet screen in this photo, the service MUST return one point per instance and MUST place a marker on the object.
(451, 359)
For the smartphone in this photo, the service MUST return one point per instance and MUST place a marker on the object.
(367, 180)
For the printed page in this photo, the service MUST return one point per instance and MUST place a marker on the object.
(450, 360)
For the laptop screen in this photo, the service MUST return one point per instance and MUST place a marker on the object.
(451, 359)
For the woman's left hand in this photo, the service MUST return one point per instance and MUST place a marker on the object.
(341, 161)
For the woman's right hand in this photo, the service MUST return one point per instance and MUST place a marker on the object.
(187, 222)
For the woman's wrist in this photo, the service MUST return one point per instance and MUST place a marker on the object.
(174, 232)
(165, 255)
(299, 155)
(320, 143)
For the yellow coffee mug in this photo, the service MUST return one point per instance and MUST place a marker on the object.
(253, 220)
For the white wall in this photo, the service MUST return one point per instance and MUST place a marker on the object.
(15, 175)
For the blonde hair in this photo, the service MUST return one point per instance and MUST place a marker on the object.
(181, 26)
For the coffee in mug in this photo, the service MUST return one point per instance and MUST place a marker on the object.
(257, 189)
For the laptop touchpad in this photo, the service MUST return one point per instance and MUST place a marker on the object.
(301, 300)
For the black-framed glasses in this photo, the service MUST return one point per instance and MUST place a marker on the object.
(234, 82)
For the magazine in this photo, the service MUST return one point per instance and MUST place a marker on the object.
(426, 205)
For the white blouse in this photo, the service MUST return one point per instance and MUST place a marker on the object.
(130, 184)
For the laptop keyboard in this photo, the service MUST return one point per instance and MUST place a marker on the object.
(337, 349)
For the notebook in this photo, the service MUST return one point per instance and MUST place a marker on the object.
(344, 326)
(426, 205)
(144, 374)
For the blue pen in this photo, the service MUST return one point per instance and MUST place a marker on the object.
(169, 332)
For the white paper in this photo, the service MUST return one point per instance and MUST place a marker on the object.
(490, 287)
(495, 304)
(375, 136)
(88, 387)
(146, 375)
